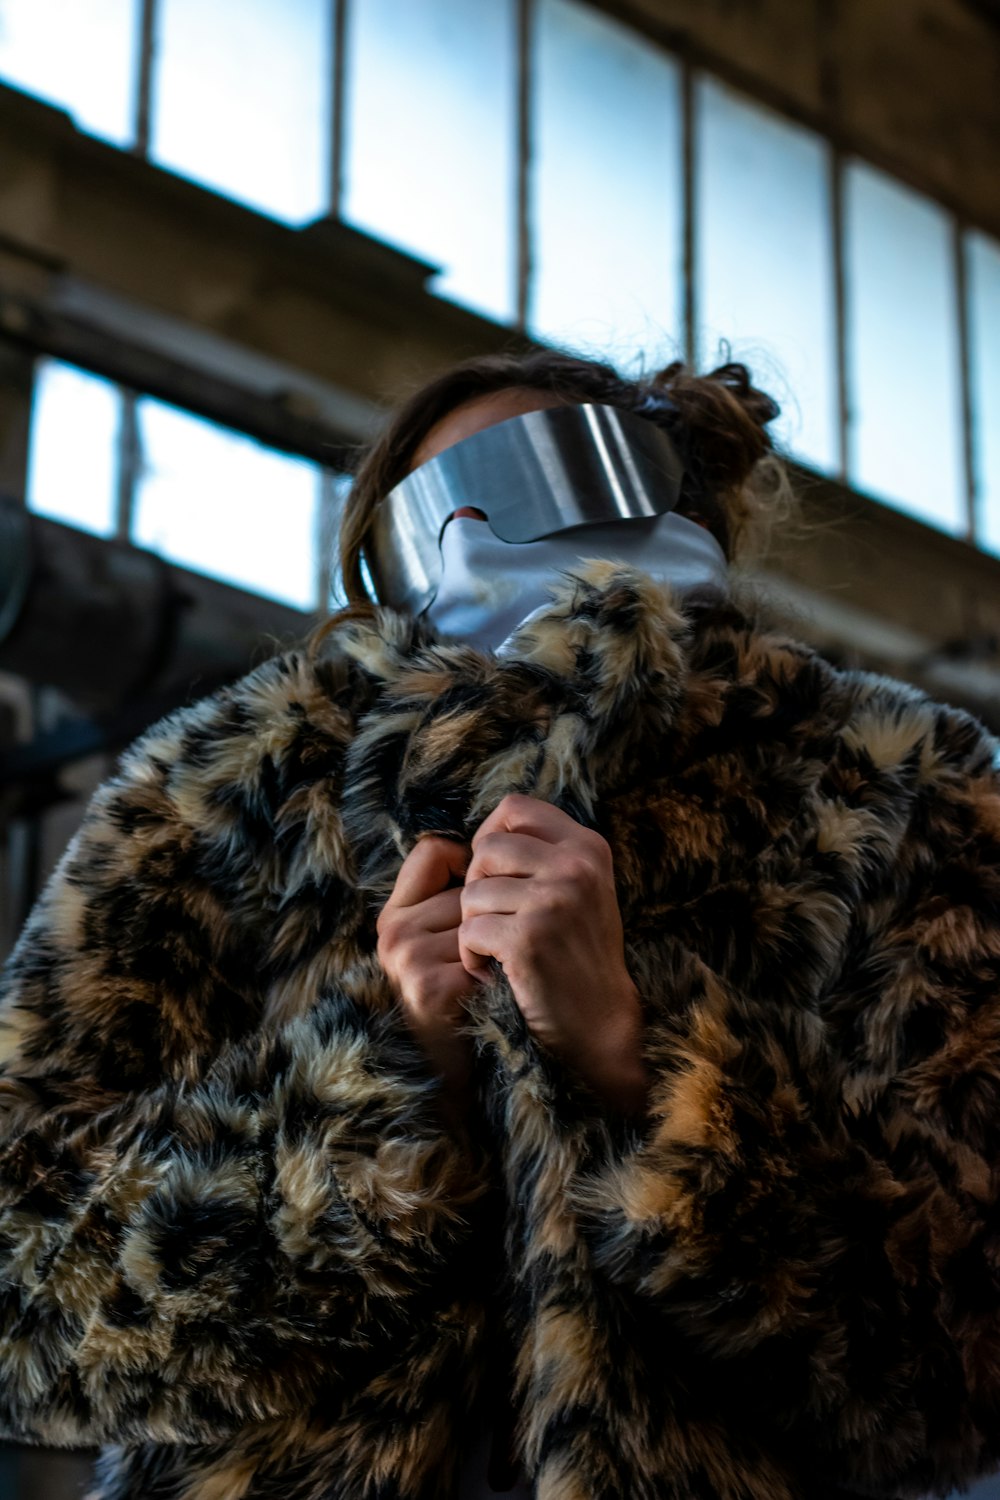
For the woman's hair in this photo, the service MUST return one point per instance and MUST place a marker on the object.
(718, 422)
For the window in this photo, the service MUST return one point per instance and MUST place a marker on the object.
(205, 497)
(606, 182)
(904, 367)
(984, 331)
(72, 466)
(79, 54)
(218, 502)
(431, 139)
(241, 100)
(435, 160)
(764, 262)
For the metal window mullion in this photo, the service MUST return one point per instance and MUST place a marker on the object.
(971, 475)
(524, 249)
(145, 77)
(128, 463)
(841, 331)
(338, 104)
(689, 209)
(327, 527)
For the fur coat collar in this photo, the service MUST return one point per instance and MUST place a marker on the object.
(238, 1245)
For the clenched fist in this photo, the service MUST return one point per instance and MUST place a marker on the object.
(539, 898)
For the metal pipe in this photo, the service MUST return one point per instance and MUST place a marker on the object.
(109, 623)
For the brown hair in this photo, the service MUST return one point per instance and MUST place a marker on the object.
(718, 422)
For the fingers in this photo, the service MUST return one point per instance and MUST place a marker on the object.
(497, 895)
(520, 814)
(440, 913)
(422, 953)
(433, 998)
(480, 939)
(426, 972)
(521, 835)
(499, 853)
(428, 869)
(583, 858)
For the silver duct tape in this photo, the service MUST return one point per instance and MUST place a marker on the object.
(532, 476)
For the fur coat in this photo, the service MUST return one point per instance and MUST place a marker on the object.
(239, 1247)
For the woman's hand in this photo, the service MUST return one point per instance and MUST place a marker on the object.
(418, 949)
(539, 897)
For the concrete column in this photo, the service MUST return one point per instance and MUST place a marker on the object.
(16, 376)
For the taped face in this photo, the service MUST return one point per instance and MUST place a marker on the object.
(533, 468)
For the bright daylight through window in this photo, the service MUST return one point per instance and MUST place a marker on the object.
(903, 341)
(984, 337)
(454, 120)
(220, 503)
(768, 287)
(205, 497)
(78, 54)
(241, 100)
(72, 468)
(431, 139)
(606, 208)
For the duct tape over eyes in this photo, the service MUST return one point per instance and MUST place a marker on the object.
(532, 476)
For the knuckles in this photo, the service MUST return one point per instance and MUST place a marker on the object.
(489, 843)
(518, 803)
(535, 934)
(579, 871)
(574, 885)
(396, 947)
(425, 1001)
(389, 930)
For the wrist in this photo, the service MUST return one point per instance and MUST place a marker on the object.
(616, 1069)
(624, 1086)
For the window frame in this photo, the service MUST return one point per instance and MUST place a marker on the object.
(693, 59)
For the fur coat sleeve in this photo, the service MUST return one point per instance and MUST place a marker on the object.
(236, 1240)
(802, 1240)
(223, 1181)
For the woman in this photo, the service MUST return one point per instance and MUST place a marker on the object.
(623, 989)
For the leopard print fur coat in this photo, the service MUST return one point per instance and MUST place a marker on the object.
(241, 1251)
